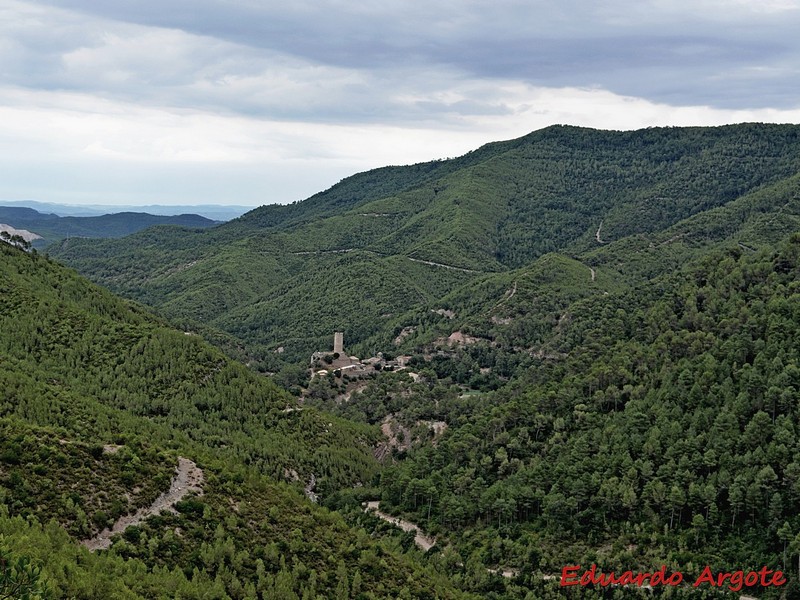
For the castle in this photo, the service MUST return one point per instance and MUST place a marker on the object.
(339, 362)
(338, 342)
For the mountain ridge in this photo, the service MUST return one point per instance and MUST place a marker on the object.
(52, 228)
(599, 366)
(492, 210)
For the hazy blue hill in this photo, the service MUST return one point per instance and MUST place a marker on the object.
(24, 214)
(215, 212)
(53, 228)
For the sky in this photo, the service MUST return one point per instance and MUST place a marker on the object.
(255, 102)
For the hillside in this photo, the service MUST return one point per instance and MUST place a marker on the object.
(653, 425)
(52, 228)
(600, 330)
(105, 365)
(383, 242)
(518, 307)
(99, 399)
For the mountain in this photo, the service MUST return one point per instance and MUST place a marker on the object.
(652, 426)
(52, 228)
(599, 332)
(360, 255)
(101, 404)
(215, 212)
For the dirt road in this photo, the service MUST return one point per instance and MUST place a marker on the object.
(188, 478)
(422, 540)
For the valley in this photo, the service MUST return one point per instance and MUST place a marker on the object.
(583, 350)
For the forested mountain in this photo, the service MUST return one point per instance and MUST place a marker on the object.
(519, 306)
(603, 337)
(661, 421)
(98, 399)
(358, 255)
(53, 228)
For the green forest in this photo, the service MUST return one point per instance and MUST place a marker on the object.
(667, 432)
(83, 370)
(348, 258)
(600, 338)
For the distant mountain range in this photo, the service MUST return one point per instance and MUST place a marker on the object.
(50, 227)
(215, 212)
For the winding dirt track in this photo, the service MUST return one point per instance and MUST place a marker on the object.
(188, 478)
(435, 264)
(423, 541)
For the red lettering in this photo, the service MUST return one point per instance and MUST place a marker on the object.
(739, 579)
(588, 576)
(568, 574)
(705, 577)
(736, 580)
(625, 579)
(604, 580)
(659, 576)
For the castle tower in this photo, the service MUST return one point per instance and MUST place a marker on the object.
(338, 342)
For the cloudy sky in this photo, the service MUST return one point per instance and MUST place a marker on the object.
(258, 101)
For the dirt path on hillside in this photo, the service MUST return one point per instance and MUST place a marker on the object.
(316, 252)
(423, 541)
(188, 478)
(506, 297)
(435, 264)
(417, 260)
(510, 295)
(597, 234)
(746, 247)
(593, 273)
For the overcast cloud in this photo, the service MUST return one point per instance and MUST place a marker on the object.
(256, 102)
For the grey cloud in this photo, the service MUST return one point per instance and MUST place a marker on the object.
(163, 89)
(690, 54)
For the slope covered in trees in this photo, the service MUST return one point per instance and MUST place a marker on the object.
(658, 427)
(624, 391)
(77, 357)
(98, 399)
(516, 308)
(361, 252)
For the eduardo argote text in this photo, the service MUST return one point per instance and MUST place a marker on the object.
(735, 580)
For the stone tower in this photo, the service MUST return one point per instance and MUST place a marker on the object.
(338, 342)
